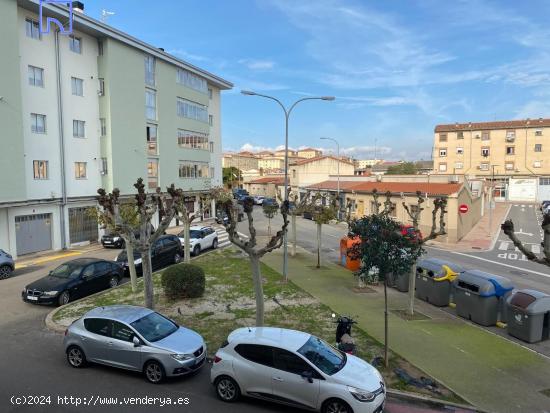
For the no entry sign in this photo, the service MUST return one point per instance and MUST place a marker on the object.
(463, 208)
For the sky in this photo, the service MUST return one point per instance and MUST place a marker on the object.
(397, 68)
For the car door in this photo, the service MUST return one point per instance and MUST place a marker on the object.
(120, 349)
(91, 282)
(103, 273)
(211, 235)
(288, 383)
(254, 369)
(94, 340)
(157, 257)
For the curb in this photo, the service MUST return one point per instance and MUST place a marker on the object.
(421, 399)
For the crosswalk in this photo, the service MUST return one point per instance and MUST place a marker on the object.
(223, 236)
(509, 246)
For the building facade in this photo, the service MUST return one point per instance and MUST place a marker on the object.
(96, 108)
(515, 155)
(241, 161)
(367, 163)
(268, 186)
(309, 153)
(271, 163)
(311, 171)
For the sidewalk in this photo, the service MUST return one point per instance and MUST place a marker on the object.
(486, 370)
(480, 237)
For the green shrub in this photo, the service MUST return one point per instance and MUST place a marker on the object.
(183, 281)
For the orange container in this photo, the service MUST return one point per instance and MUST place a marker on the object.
(346, 244)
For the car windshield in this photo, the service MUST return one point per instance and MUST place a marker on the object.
(325, 357)
(194, 233)
(66, 270)
(154, 327)
(123, 256)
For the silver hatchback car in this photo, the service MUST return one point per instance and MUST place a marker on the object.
(134, 338)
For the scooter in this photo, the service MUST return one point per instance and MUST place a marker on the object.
(344, 340)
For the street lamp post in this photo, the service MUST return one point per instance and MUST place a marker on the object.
(491, 194)
(338, 174)
(287, 116)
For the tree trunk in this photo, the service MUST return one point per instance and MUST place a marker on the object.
(131, 264)
(147, 268)
(319, 227)
(258, 289)
(269, 226)
(386, 361)
(293, 250)
(186, 241)
(412, 286)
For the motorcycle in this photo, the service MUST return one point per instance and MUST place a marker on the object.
(344, 340)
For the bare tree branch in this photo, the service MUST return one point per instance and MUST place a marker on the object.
(508, 229)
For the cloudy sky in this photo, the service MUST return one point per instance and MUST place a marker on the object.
(397, 68)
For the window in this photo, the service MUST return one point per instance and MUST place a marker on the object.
(150, 104)
(100, 48)
(189, 169)
(209, 93)
(77, 86)
(538, 132)
(89, 271)
(460, 135)
(211, 146)
(258, 354)
(152, 173)
(38, 123)
(32, 28)
(40, 169)
(75, 44)
(104, 167)
(485, 135)
(193, 140)
(80, 170)
(544, 181)
(97, 326)
(192, 110)
(186, 78)
(122, 332)
(509, 166)
(484, 166)
(460, 151)
(443, 167)
(151, 131)
(442, 137)
(459, 165)
(537, 164)
(510, 150)
(538, 147)
(510, 135)
(211, 172)
(79, 129)
(291, 363)
(36, 76)
(211, 120)
(150, 71)
(325, 357)
(103, 126)
(101, 91)
(442, 152)
(485, 151)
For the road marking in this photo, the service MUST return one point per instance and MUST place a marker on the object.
(503, 246)
(45, 259)
(535, 249)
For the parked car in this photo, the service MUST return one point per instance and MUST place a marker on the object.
(200, 239)
(307, 215)
(7, 265)
(270, 201)
(295, 368)
(259, 199)
(544, 205)
(239, 192)
(241, 198)
(73, 279)
(134, 338)
(112, 240)
(165, 251)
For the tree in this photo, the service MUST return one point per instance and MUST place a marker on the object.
(405, 168)
(297, 209)
(508, 229)
(249, 246)
(230, 175)
(323, 209)
(146, 207)
(440, 205)
(270, 210)
(385, 249)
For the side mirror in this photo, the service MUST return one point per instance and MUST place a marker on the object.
(307, 375)
(136, 341)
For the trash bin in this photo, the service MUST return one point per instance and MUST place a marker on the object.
(434, 280)
(346, 245)
(480, 296)
(399, 282)
(529, 315)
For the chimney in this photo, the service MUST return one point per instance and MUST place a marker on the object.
(161, 49)
(540, 120)
(78, 6)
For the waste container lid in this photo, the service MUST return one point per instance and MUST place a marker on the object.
(531, 301)
(437, 267)
(487, 285)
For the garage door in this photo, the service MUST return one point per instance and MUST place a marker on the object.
(524, 190)
(33, 233)
(544, 189)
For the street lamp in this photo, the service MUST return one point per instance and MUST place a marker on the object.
(338, 172)
(287, 115)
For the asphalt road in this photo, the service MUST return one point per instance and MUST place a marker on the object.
(34, 368)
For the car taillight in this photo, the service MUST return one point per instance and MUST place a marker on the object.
(217, 359)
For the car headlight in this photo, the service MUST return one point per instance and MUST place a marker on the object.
(182, 357)
(361, 395)
(50, 293)
(116, 239)
(138, 261)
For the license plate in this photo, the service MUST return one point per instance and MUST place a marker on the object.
(32, 298)
(106, 242)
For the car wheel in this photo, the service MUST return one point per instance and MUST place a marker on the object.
(227, 389)
(196, 250)
(177, 258)
(76, 357)
(64, 298)
(215, 244)
(154, 372)
(335, 406)
(113, 282)
(5, 271)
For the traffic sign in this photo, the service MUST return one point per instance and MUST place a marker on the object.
(463, 208)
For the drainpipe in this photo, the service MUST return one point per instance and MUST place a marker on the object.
(61, 142)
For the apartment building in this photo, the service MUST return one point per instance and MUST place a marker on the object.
(271, 163)
(514, 154)
(96, 108)
(309, 153)
(367, 163)
(243, 161)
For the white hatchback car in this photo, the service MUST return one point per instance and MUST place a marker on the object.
(200, 239)
(295, 368)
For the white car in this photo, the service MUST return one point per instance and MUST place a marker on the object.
(201, 238)
(295, 368)
(259, 200)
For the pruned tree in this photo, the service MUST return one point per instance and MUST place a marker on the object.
(146, 207)
(323, 209)
(508, 229)
(385, 249)
(297, 209)
(249, 246)
(269, 210)
(414, 214)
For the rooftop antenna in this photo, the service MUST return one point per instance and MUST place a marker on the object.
(105, 15)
